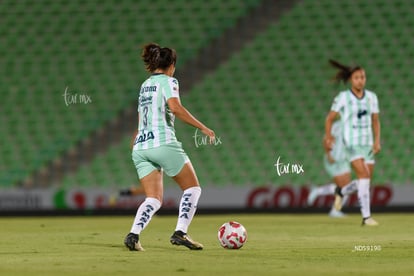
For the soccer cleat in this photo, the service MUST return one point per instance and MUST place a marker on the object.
(369, 222)
(338, 199)
(336, 214)
(312, 196)
(180, 238)
(132, 242)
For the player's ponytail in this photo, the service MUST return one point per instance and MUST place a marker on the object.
(156, 57)
(344, 72)
(150, 55)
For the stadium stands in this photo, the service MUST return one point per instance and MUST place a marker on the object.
(70, 66)
(267, 101)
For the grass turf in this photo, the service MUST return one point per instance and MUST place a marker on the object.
(276, 245)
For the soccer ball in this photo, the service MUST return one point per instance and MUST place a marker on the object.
(232, 235)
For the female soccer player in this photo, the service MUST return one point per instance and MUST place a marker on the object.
(359, 112)
(338, 168)
(156, 148)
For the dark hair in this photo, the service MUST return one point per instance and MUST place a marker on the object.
(344, 72)
(156, 57)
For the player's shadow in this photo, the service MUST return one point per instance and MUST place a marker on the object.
(98, 244)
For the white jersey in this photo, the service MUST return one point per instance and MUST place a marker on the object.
(356, 116)
(156, 121)
(338, 149)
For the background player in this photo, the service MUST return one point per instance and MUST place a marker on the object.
(359, 112)
(156, 148)
(338, 168)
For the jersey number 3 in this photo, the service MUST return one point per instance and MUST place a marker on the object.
(145, 118)
(145, 136)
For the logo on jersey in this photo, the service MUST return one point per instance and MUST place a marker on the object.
(361, 113)
(144, 137)
(152, 88)
(145, 100)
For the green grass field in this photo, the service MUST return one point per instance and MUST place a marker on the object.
(276, 245)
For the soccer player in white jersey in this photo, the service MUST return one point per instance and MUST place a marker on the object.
(156, 148)
(338, 168)
(359, 111)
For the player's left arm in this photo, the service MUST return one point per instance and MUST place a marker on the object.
(135, 136)
(376, 128)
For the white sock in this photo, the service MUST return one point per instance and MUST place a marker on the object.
(188, 206)
(344, 199)
(328, 189)
(144, 214)
(349, 188)
(363, 197)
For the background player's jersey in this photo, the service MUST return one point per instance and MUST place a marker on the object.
(338, 152)
(156, 121)
(356, 116)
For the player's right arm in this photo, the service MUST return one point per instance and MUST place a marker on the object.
(330, 158)
(328, 139)
(337, 105)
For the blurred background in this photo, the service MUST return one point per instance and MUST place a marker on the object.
(255, 71)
